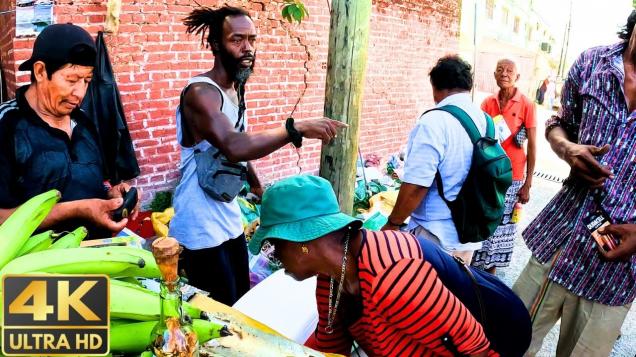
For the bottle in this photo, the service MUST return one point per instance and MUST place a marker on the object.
(516, 213)
(173, 336)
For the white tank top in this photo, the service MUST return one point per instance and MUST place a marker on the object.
(201, 221)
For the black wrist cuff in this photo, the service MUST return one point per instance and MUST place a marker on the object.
(295, 136)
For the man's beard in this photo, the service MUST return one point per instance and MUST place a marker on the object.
(243, 74)
(232, 65)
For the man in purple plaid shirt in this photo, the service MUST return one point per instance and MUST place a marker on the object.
(567, 277)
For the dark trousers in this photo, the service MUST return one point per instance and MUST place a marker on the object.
(222, 271)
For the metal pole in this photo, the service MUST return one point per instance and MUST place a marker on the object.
(474, 50)
(567, 43)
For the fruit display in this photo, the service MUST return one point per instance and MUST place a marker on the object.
(134, 310)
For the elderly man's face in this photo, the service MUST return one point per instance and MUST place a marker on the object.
(506, 74)
(66, 89)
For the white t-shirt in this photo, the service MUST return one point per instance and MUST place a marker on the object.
(439, 142)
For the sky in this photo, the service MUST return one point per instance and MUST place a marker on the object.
(594, 22)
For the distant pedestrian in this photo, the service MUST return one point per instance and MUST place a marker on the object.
(543, 87)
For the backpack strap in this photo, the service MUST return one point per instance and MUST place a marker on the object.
(471, 129)
(468, 124)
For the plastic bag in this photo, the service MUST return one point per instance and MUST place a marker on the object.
(375, 222)
(261, 266)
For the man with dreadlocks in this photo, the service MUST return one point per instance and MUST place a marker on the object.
(211, 116)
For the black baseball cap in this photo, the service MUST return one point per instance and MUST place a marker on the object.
(61, 43)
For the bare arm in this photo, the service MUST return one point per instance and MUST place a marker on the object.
(409, 198)
(532, 154)
(252, 179)
(524, 192)
(204, 115)
(94, 210)
(60, 212)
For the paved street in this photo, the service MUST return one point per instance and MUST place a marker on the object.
(542, 191)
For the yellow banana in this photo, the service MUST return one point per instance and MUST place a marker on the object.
(37, 243)
(113, 261)
(135, 337)
(160, 221)
(15, 231)
(133, 302)
(71, 240)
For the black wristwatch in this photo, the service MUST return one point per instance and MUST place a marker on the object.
(295, 136)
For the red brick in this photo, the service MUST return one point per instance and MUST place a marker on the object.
(153, 58)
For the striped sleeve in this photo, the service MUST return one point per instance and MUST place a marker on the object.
(409, 295)
(339, 341)
(569, 115)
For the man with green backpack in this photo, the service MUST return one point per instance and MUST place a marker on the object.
(456, 174)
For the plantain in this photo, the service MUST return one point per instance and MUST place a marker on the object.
(17, 229)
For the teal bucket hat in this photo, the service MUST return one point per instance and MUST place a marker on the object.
(299, 209)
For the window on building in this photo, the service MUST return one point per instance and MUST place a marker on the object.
(516, 25)
(504, 16)
(490, 9)
(528, 33)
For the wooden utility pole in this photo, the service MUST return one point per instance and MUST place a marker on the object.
(346, 68)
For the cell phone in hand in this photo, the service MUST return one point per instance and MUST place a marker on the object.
(126, 208)
(594, 222)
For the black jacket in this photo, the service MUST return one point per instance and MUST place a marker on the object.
(103, 106)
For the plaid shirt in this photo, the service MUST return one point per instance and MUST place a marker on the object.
(593, 112)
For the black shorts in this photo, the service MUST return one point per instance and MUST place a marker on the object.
(222, 271)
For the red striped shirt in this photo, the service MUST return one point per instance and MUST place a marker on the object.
(406, 310)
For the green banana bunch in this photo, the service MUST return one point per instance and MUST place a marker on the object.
(210, 329)
(15, 231)
(37, 243)
(71, 240)
(112, 261)
(136, 337)
(133, 302)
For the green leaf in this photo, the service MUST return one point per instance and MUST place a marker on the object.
(296, 13)
(285, 12)
(302, 8)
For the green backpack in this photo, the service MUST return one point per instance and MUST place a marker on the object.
(479, 206)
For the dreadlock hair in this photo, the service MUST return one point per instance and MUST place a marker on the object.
(626, 32)
(205, 19)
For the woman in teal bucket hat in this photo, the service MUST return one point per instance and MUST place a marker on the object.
(374, 288)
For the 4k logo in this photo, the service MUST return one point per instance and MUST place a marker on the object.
(55, 315)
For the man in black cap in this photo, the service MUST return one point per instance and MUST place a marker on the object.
(47, 142)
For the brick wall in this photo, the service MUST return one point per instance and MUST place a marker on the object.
(153, 58)
(7, 34)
